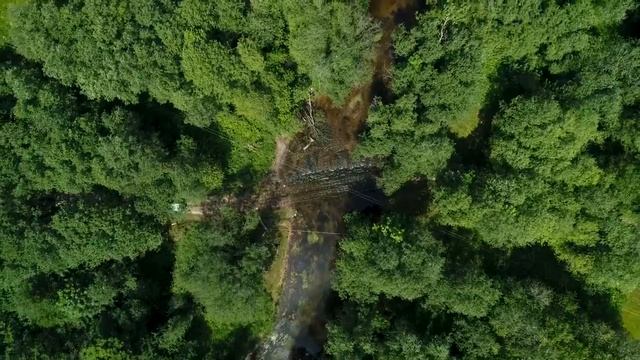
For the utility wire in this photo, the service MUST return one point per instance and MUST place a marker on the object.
(367, 197)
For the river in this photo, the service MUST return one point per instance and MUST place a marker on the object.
(322, 183)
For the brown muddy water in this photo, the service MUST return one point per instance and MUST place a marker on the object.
(321, 182)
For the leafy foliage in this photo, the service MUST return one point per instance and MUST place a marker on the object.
(521, 118)
(468, 312)
(388, 259)
(333, 42)
(217, 264)
(445, 66)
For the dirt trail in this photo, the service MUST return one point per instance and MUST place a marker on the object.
(316, 172)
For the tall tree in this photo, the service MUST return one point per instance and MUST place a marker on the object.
(219, 265)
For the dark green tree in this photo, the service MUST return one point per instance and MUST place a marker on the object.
(219, 265)
(386, 258)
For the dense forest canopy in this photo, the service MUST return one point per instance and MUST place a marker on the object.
(507, 141)
(522, 119)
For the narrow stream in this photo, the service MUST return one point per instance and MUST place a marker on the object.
(322, 183)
